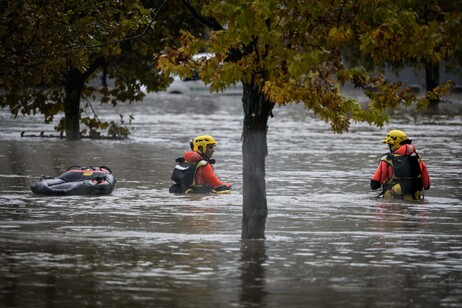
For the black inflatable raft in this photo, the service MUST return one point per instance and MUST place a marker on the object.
(77, 181)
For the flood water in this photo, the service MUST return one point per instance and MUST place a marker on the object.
(329, 241)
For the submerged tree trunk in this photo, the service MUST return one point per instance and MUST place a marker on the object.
(432, 78)
(254, 150)
(74, 87)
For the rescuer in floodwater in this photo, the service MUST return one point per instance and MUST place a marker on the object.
(194, 172)
(401, 173)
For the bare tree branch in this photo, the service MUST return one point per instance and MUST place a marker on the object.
(209, 22)
(130, 37)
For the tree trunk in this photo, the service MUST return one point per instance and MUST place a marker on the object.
(254, 150)
(432, 78)
(74, 87)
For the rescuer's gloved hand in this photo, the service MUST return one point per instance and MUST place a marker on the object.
(222, 189)
(375, 184)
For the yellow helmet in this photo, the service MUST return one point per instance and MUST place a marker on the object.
(395, 138)
(202, 141)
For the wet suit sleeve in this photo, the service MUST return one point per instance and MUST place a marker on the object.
(209, 176)
(425, 176)
(380, 176)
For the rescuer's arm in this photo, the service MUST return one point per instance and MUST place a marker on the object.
(380, 176)
(209, 176)
(425, 176)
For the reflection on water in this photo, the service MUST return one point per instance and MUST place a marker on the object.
(253, 273)
(330, 241)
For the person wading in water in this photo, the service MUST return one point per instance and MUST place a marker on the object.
(194, 172)
(401, 173)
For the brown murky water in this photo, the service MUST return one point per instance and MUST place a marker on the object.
(330, 242)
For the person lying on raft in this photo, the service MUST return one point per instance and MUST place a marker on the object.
(194, 172)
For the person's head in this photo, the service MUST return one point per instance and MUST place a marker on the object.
(204, 145)
(395, 139)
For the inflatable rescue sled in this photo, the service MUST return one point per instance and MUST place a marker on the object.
(77, 181)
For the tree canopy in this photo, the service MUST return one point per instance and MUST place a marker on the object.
(46, 46)
(49, 50)
(426, 33)
(293, 51)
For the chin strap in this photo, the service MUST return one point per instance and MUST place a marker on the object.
(210, 160)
